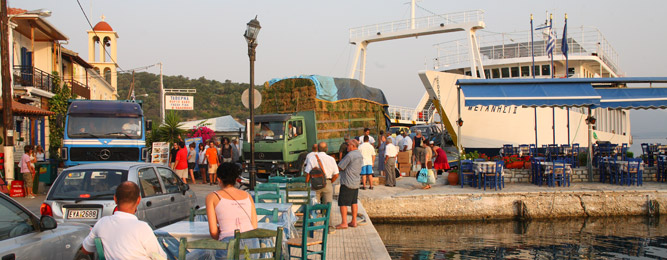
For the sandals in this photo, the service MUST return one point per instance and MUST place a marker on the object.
(363, 188)
(370, 188)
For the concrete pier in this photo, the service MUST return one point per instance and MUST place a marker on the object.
(408, 202)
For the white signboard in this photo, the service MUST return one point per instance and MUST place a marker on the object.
(179, 102)
(160, 153)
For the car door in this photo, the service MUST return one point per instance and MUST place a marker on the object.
(154, 203)
(178, 202)
(19, 236)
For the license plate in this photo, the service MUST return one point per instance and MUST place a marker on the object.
(261, 171)
(82, 214)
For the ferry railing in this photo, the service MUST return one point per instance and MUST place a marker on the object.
(419, 23)
(584, 41)
(409, 114)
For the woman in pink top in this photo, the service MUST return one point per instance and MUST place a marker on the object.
(229, 208)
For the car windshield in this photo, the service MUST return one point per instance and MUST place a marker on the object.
(394, 130)
(269, 130)
(87, 184)
(104, 127)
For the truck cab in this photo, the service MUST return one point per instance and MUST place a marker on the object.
(281, 143)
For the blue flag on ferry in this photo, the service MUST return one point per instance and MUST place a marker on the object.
(551, 42)
(563, 46)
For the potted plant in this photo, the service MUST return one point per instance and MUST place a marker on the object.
(453, 177)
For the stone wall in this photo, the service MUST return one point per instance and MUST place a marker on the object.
(579, 174)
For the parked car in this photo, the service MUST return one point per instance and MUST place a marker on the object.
(433, 133)
(85, 193)
(23, 235)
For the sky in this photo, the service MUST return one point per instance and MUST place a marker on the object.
(203, 38)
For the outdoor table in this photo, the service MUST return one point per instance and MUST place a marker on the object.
(481, 168)
(548, 166)
(169, 237)
(622, 166)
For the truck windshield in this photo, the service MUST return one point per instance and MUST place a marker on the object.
(104, 127)
(269, 130)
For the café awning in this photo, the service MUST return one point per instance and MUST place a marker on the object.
(536, 93)
(633, 98)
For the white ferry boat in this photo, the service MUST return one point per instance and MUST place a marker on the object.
(508, 55)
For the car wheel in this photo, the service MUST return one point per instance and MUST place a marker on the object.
(81, 256)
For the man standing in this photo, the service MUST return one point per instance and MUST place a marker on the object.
(310, 155)
(342, 150)
(181, 164)
(390, 153)
(398, 139)
(419, 150)
(367, 132)
(192, 161)
(328, 165)
(122, 234)
(405, 145)
(212, 156)
(235, 150)
(368, 153)
(349, 180)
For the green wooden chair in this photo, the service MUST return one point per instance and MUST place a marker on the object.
(308, 234)
(297, 179)
(194, 212)
(298, 199)
(277, 179)
(99, 248)
(268, 187)
(276, 250)
(207, 243)
(265, 212)
(268, 198)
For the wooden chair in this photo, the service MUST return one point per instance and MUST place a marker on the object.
(265, 212)
(268, 198)
(99, 248)
(276, 250)
(297, 179)
(196, 212)
(274, 187)
(298, 199)
(277, 179)
(308, 234)
(207, 243)
(467, 174)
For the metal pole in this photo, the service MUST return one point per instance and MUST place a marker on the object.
(532, 71)
(460, 138)
(161, 95)
(252, 170)
(590, 147)
(553, 70)
(7, 115)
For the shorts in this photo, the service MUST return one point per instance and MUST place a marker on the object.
(203, 166)
(27, 179)
(367, 170)
(191, 166)
(182, 173)
(347, 196)
(212, 168)
(420, 155)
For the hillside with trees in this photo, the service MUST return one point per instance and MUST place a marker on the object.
(213, 98)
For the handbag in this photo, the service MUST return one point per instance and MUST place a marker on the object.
(318, 180)
(422, 177)
(431, 177)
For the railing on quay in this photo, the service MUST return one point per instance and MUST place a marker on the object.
(496, 46)
(419, 23)
(28, 76)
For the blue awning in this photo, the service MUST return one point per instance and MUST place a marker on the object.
(541, 94)
(633, 98)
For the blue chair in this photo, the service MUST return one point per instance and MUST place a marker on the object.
(467, 174)
(536, 169)
(553, 151)
(489, 176)
(624, 151)
(660, 175)
(533, 150)
(556, 174)
(508, 150)
(524, 150)
(575, 155)
(500, 165)
(630, 175)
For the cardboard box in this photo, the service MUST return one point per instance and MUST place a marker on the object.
(403, 157)
(379, 181)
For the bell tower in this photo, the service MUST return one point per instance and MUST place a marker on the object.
(102, 52)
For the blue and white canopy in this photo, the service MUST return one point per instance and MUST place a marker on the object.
(528, 92)
(633, 98)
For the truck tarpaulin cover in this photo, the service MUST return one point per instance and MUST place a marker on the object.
(336, 89)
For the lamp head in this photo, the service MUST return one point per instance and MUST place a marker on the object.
(252, 30)
(460, 122)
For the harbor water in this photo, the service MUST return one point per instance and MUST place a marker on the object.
(579, 238)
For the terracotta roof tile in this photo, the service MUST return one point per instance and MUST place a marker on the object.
(102, 26)
(23, 109)
(13, 11)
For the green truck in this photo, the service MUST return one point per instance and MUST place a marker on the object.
(294, 116)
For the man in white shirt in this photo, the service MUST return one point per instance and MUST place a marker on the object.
(123, 235)
(309, 156)
(368, 153)
(367, 132)
(330, 169)
(405, 145)
(398, 139)
(390, 153)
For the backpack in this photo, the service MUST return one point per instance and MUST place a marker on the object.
(318, 179)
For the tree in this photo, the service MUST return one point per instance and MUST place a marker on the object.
(171, 130)
(58, 104)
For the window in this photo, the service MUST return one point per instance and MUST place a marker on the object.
(525, 71)
(468, 73)
(487, 74)
(295, 128)
(505, 72)
(150, 186)
(570, 72)
(171, 182)
(536, 70)
(515, 72)
(269, 130)
(14, 221)
(546, 71)
(495, 73)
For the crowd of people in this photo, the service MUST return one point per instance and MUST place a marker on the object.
(203, 160)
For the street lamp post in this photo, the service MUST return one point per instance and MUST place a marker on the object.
(251, 37)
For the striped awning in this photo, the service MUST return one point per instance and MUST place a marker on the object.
(633, 98)
(529, 94)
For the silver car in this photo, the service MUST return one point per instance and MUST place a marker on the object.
(25, 236)
(84, 193)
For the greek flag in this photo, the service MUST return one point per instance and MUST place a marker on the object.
(564, 46)
(551, 42)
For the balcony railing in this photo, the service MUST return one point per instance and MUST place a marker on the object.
(28, 76)
(78, 88)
